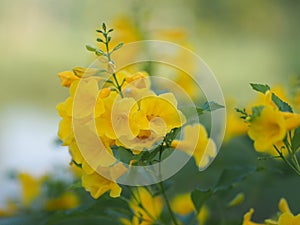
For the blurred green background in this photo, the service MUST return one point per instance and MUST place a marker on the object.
(242, 41)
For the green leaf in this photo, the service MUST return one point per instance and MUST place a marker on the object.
(99, 40)
(91, 48)
(231, 177)
(211, 106)
(263, 88)
(122, 154)
(199, 197)
(100, 31)
(118, 46)
(99, 52)
(296, 139)
(282, 106)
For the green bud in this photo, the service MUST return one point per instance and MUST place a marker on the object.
(91, 48)
(118, 46)
(99, 52)
(104, 26)
(100, 40)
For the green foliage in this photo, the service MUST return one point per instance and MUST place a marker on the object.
(263, 88)
(296, 139)
(211, 106)
(105, 41)
(199, 197)
(244, 114)
(231, 177)
(282, 106)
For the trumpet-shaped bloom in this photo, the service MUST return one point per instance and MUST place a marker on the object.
(98, 185)
(197, 144)
(67, 78)
(287, 218)
(144, 123)
(247, 218)
(267, 129)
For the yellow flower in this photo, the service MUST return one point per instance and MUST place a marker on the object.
(10, 210)
(292, 120)
(31, 188)
(197, 144)
(183, 205)
(247, 218)
(98, 185)
(287, 218)
(66, 201)
(235, 125)
(153, 117)
(154, 206)
(156, 109)
(87, 104)
(267, 129)
(104, 122)
(67, 78)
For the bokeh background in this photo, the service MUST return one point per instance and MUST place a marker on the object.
(242, 41)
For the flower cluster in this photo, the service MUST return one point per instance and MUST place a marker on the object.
(273, 126)
(112, 114)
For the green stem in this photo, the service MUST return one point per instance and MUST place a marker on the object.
(162, 188)
(296, 170)
(117, 85)
(296, 163)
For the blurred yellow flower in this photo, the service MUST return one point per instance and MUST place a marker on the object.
(237, 200)
(10, 210)
(267, 129)
(292, 120)
(183, 205)
(287, 218)
(66, 201)
(98, 185)
(31, 188)
(197, 144)
(247, 218)
(235, 126)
